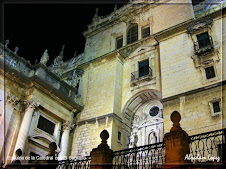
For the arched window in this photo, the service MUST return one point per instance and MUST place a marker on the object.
(132, 33)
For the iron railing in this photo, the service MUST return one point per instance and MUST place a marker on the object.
(207, 147)
(140, 75)
(83, 163)
(148, 156)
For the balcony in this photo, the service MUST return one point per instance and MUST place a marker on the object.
(140, 76)
(203, 47)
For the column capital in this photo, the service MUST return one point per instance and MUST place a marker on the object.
(31, 104)
(67, 125)
(12, 99)
(74, 111)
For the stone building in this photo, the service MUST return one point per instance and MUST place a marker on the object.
(140, 63)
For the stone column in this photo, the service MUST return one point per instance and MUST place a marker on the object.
(10, 136)
(25, 125)
(177, 144)
(102, 156)
(67, 126)
(7, 114)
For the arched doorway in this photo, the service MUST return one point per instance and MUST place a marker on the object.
(143, 114)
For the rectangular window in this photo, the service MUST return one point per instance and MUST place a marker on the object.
(216, 107)
(145, 32)
(46, 125)
(210, 73)
(119, 42)
(119, 135)
(143, 68)
(203, 40)
(132, 34)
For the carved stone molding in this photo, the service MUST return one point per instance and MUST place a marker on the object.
(67, 125)
(199, 24)
(11, 99)
(30, 104)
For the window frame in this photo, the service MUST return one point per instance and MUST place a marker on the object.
(213, 72)
(116, 42)
(48, 120)
(205, 80)
(198, 41)
(139, 68)
(57, 123)
(127, 34)
(214, 100)
(142, 34)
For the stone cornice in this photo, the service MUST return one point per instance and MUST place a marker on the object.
(30, 83)
(113, 115)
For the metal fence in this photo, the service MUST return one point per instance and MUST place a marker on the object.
(83, 163)
(204, 148)
(207, 147)
(138, 75)
(148, 156)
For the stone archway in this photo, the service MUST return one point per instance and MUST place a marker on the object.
(143, 114)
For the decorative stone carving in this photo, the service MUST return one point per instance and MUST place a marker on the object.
(57, 65)
(96, 17)
(6, 43)
(45, 57)
(148, 127)
(31, 104)
(68, 125)
(11, 99)
(200, 24)
(153, 138)
(16, 49)
(133, 140)
(75, 78)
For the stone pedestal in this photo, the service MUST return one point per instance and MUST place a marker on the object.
(177, 144)
(102, 156)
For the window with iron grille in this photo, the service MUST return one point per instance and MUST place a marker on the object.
(145, 32)
(216, 107)
(46, 125)
(203, 40)
(143, 68)
(119, 42)
(132, 34)
(210, 73)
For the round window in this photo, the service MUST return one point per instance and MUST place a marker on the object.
(154, 111)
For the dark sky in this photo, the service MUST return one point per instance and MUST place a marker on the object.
(35, 27)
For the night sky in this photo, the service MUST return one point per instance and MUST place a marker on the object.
(35, 27)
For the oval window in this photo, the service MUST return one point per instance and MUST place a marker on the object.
(154, 111)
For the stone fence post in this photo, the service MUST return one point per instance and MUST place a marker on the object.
(177, 144)
(102, 156)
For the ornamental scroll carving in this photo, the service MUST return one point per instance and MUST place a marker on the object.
(67, 125)
(31, 104)
(11, 99)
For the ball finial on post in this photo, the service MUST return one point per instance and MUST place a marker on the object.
(175, 118)
(104, 135)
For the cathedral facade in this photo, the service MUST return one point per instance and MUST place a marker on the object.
(140, 63)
